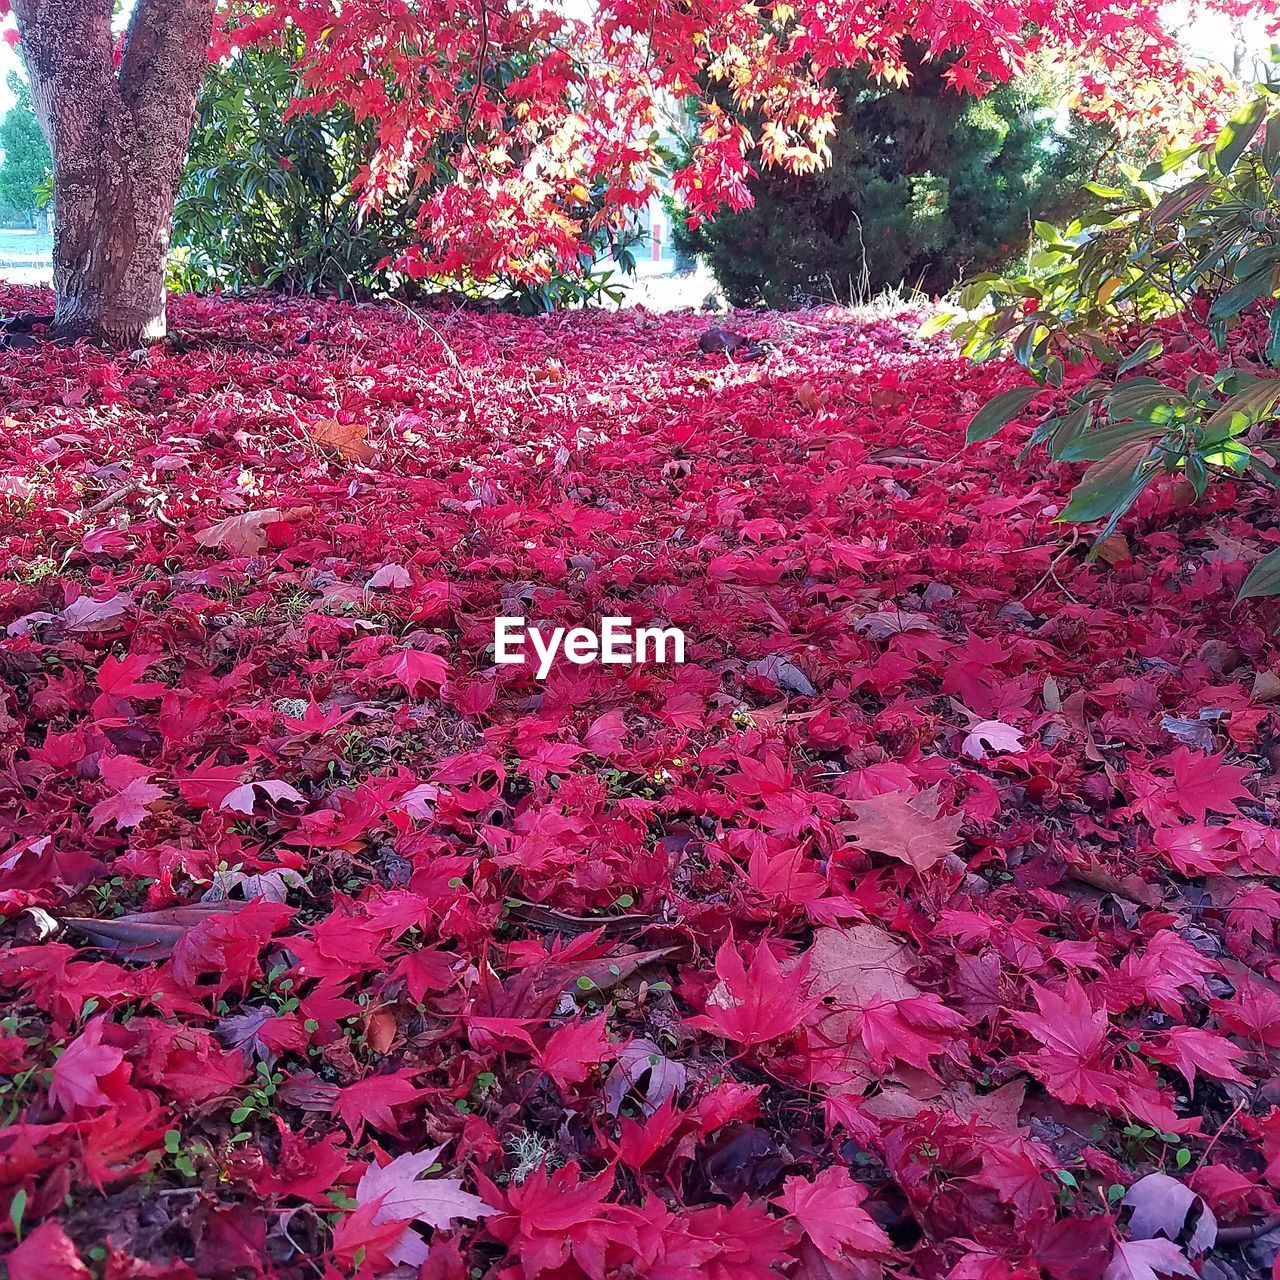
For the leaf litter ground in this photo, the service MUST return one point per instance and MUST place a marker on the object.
(922, 923)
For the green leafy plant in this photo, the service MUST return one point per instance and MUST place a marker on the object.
(1195, 237)
(187, 1155)
(260, 1100)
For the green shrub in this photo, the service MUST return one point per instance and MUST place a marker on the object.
(1197, 231)
(924, 185)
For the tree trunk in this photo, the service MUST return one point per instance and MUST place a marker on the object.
(118, 141)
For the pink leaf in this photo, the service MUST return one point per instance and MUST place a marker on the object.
(828, 1209)
(400, 1194)
(82, 1066)
(990, 735)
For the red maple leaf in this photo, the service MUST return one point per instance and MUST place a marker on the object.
(829, 1210)
(119, 676)
(1206, 783)
(556, 1216)
(128, 807)
(413, 669)
(370, 1101)
(911, 1030)
(752, 1006)
(88, 1073)
(574, 1049)
(47, 1254)
(362, 1238)
(1192, 1049)
(1073, 1037)
(308, 1170)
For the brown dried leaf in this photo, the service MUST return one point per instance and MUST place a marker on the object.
(349, 439)
(147, 935)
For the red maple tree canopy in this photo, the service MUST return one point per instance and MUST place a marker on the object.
(550, 120)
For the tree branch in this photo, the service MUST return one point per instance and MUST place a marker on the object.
(166, 53)
(67, 47)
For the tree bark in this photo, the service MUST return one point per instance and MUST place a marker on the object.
(118, 140)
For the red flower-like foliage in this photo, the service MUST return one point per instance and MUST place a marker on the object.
(302, 894)
(541, 126)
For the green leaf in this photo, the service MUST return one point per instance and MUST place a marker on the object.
(1167, 163)
(1254, 404)
(17, 1208)
(998, 412)
(1265, 470)
(1264, 579)
(1234, 301)
(1110, 487)
(1094, 446)
(1238, 133)
(935, 324)
(1148, 351)
(1197, 473)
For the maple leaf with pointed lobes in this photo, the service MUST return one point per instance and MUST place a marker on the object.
(128, 807)
(1192, 1049)
(243, 798)
(413, 669)
(753, 1006)
(307, 1170)
(574, 1049)
(399, 1194)
(85, 1065)
(557, 1216)
(370, 1101)
(47, 1253)
(208, 784)
(1072, 1060)
(829, 1210)
(119, 676)
(905, 825)
(360, 1241)
(1206, 783)
(788, 877)
(911, 1030)
(1148, 1260)
(1157, 975)
(226, 944)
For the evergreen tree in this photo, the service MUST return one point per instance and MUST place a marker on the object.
(26, 164)
(924, 186)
